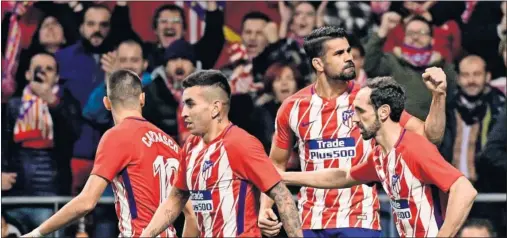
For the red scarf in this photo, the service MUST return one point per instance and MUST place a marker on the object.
(34, 126)
(419, 57)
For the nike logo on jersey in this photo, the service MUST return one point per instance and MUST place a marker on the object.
(305, 124)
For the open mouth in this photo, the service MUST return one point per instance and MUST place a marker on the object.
(169, 32)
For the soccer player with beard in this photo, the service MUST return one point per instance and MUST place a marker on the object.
(320, 116)
(429, 197)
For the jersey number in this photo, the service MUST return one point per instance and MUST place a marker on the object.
(165, 168)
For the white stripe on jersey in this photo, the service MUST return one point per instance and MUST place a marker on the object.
(227, 195)
(424, 211)
(344, 197)
(207, 222)
(315, 131)
(125, 219)
(191, 164)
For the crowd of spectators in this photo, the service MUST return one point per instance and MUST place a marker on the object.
(53, 116)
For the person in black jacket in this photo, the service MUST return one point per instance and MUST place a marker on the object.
(163, 94)
(41, 127)
(169, 25)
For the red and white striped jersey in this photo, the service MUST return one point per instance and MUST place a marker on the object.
(141, 162)
(327, 138)
(224, 177)
(416, 178)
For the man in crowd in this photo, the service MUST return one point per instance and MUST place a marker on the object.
(163, 95)
(477, 228)
(169, 24)
(128, 55)
(478, 105)
(407, 62)
(41, 128)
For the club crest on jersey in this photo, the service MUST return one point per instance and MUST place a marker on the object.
(332, 148)
(347, 118)
(395, 184)
(206, 169)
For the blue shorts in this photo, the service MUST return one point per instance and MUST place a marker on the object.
(342, 232)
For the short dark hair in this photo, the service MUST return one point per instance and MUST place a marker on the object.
(123, 88)
(168, 7)
(96, 6)
(314, 43)
(385, 90)
(48, 54)
(209, 77)
(254, 15)
(134, 42)
(479, 223)
(422, 19)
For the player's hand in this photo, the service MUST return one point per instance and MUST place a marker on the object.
(30, 235)
(435, 80)
(268, 222)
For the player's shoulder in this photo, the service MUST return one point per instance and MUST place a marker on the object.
(237, 137)
(415, 145)
(302, 94)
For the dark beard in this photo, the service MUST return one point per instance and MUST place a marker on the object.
(369, 133)
(105, 47)
(342, 76)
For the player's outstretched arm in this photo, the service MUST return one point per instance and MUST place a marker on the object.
(190, 228)
(287, 209)
(267, 221)
(325, 178)
(76, 208)
(461, 197)
(166, 213)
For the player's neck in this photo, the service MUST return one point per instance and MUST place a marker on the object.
(388, 135)
(215, 130)
(327, 88)
(119, 116)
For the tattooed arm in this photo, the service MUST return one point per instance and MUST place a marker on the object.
(287, 209)
(75, 209)
(166, 213)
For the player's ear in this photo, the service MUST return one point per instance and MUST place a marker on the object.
(383, 112)
(317, 64)
(216, 108)
(142, 99)
(107, 103)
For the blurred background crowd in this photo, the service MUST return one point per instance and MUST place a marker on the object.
(56, 55)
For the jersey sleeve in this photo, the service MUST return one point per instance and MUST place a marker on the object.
(249, 161)
(365, 172)
(181, 176)
(282, 135)
(112, 157)
(405, 116)
(430, 167)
